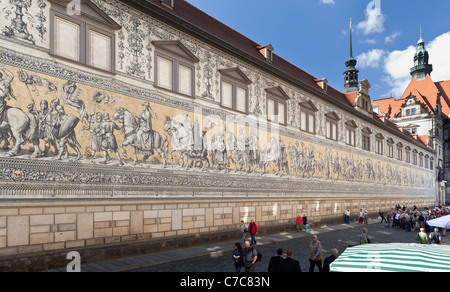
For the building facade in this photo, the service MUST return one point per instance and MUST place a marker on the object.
(424, 110)
(131, 120)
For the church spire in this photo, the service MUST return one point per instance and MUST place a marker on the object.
(421, 66)
(351, 74)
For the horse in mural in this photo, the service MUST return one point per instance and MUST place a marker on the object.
(23, 127)
(130, 128)
(182, 144)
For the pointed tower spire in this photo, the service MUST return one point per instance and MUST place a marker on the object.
(351, 74)
(421, 66)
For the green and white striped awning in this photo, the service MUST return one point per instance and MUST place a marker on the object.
(394, 257)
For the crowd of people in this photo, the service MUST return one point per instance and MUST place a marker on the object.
(413, 219)
(245, 255)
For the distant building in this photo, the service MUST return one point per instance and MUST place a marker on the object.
(424, 110)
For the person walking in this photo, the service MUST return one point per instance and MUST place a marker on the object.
(250, 257)
(435, 237)
(275, 262)
(347, 216)
(422, 237)
(329, 260)
(366, 217)
(244, 230)
(289, 265)
(238, 257)
(315, 254)
(299, 223)
(253, 229)
(382, 217)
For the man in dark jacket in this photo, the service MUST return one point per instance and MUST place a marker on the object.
(329, 260)
(289, 265)
(275, 262)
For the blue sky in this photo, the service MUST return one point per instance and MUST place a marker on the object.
(313, 35)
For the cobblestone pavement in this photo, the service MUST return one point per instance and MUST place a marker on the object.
(378, 233)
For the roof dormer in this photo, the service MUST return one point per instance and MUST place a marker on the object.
(323, 83)
(168, 3)
(267, 52)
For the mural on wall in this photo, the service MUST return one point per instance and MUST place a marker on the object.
(44, 118)
(68, 119)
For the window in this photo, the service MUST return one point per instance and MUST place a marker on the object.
(366, 133)
(331, 124)
(390, 148)
(276, 105)
(431, 163)
(168, 3)
(308, 117)
(88, 39)
(175, 67)
(408, 154)
(421, 159)
(350, 133)
(414, 157)
(234, 90)
(400, 151)
(379, 144)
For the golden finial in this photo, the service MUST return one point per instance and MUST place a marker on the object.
(350, 23)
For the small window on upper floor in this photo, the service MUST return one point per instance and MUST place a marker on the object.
(332, 122)
(168, 3)
(88, 38)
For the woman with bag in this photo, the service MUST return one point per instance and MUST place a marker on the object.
(238, 257)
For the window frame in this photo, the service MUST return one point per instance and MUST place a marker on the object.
(87, 23)
(176, 63)
(366, 134)
(309, 110)
(350, 132)
(237, 79)
(332, 119)
(278, 96)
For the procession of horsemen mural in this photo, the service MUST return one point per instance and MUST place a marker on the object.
(61, 120)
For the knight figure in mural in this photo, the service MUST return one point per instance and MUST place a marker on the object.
(96, 140)
(64, 131)
(144, 135)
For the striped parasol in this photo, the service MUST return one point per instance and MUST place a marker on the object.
(394, 257)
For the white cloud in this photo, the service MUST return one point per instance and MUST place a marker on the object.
(396, 65)
(374, 19)
(373, 58)
(327, 1)
(392, 37)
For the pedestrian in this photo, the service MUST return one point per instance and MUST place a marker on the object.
(299, 223)
(305, 222)
(315, 254)
(289, 265)
(364, 239)
(250, 257)
(244, 230)
(347, 216)
(238, 257)
(435, 237)
(389, 218)
(382, 217)
(253, 229)
(366, 217)
(275, 262)
(327, 262)
(361, 216)
(422, 237)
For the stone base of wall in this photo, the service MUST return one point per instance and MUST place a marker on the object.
(37, 235)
